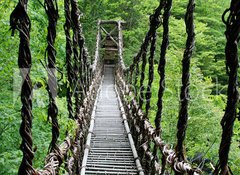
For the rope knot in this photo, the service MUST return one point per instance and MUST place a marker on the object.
(18, 18)
(155, 21)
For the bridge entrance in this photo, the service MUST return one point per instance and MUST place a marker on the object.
(109, 44)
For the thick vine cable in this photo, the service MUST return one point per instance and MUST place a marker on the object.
(162, 63)
(154, 25)
(147, 38)
(231, 51)
(75, 26)
(20, 21)
(184, 96)
(78, 50)
(143, 67)
(161, 72)
(70, 71)
(51, 9)
(85, 68)
(136, 76)
(156, 22)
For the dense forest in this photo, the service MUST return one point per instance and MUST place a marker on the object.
(208, 75)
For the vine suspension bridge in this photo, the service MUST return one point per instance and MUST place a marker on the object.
(114, 134)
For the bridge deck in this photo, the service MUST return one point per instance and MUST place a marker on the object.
(110, 150)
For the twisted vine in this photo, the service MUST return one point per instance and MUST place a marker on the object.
(20, 21)
(161, 72)
(154, 25)
(75, 26)
(232, 64)
(70, 72)
(184, 96)
(156, 22)
(51, 9)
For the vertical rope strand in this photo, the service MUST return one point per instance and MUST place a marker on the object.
(79, 53)
(85, 57)
(78, 42)
(52, 13)
(20, 21)
(143, 67)
(136, 76)
(70, 73)
(75, 26)
(156, 23)
(144, 140)
(162, 64)
(232, 64)
(82, 50)
(184, 96)
(161, 72)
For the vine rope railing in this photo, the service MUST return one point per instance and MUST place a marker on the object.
(185, 96)
(19, 20)
(82, 86)
(231, 51)
(51, 9)
(156, 155)
(143, 132)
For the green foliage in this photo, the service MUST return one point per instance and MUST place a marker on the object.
(208, 78)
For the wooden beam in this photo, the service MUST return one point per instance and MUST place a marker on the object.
(111, 22)
(108, 34)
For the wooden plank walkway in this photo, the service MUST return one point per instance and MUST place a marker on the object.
(110, 151)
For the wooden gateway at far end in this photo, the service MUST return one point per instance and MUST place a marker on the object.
(110, 37)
